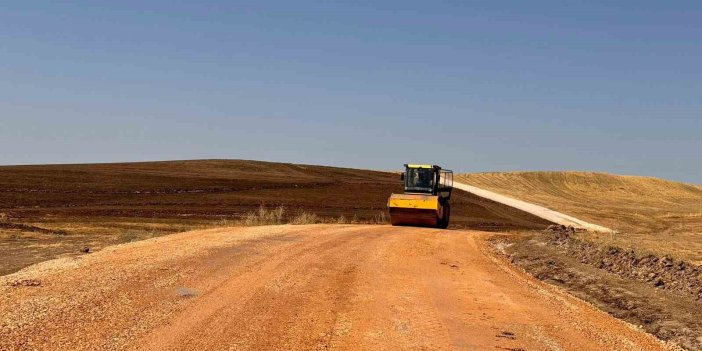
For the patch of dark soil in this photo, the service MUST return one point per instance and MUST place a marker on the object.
(470, 211)
(616, 281)
(30, 228)
(25, 282)
(506, 335)
(186, 292)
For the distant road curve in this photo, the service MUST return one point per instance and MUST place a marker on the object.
(536, 210)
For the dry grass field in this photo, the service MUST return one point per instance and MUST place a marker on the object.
(52, 210)
(651, 214)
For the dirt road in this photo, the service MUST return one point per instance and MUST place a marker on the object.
(318, 287)
(536, 210)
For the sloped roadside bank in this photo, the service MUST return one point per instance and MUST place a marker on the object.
(662, 295)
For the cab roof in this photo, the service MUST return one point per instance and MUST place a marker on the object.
(421, 166)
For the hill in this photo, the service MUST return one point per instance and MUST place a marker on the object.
(50, 210)
(650, 213)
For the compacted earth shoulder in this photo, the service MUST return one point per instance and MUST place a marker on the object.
(660, 294)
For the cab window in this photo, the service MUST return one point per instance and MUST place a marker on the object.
(419, 179)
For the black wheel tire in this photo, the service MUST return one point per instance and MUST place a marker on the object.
(444, 221)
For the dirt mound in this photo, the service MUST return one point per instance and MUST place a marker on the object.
(658, 293)
(662, 272)
(561, 230)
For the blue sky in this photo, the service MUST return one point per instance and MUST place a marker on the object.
(474, 86)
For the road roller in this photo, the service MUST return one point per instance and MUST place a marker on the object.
(425, 202)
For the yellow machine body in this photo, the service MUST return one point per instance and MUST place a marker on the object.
(417, 201)
(426, 198)
(414, 209)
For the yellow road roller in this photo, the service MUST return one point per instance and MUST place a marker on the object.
(425, 201)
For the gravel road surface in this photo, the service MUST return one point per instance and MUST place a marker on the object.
(315, 287)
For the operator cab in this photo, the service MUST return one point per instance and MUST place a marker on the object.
(427, 179)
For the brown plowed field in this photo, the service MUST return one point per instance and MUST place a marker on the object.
(317, 287)
(56, 210)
